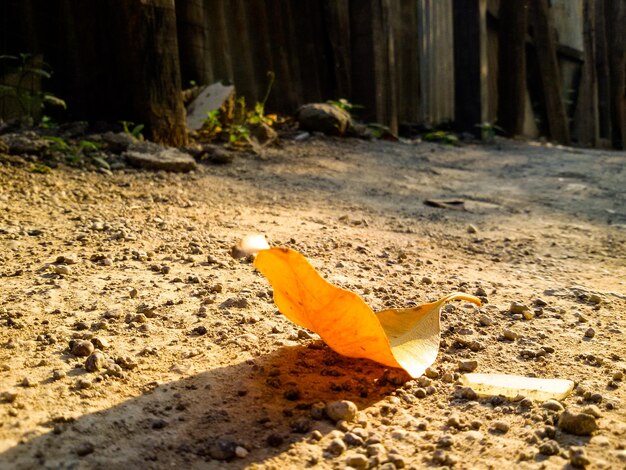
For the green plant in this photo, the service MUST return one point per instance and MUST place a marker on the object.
(133, 129)
(47, 122)
(345, 105)
(73, 153)
(21, 76)
(443, 137)
(39, 168)
(235, 127)
(488, 131)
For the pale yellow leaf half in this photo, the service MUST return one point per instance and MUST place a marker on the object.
(512, 386)
(406, 338)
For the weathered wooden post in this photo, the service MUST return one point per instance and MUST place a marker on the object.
(470, 65)
(550, 73)
(512, 30)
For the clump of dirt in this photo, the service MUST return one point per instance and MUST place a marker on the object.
(130, 336)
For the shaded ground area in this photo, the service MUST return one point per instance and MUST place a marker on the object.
(208, 375)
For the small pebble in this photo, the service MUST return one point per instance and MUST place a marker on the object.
(58, 374)
(358, 461)
(592, 410)
(518, 308)
(241, 452)
(578, 457)
(510, 334)
(62, 269)
(100, 343)
(84, 448)
(341, 410)
(552, 405)
(96, 361)
(580, 424)
(133, 293)
(445, 441)
(595, 299)
(433, 374)
(485, 320)
(471, 229)
(549, 447)
(501, 426)
(336, 446)
(82, 348)
(468, 365)
(590, 333)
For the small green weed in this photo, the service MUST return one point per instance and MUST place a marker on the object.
(39, 168)
(488, 131)
(25, 72)
(234, 125)
(442, 137)
(133, 129)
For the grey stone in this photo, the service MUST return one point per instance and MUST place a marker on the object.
(118, 142)
(165, 159)
(323, 117)
(25, 143)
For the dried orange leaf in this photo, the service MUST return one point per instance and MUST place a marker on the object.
(406, 338)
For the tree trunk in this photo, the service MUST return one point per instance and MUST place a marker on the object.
(545, 45)
(148, 29)
(512, 31)
(616, 35)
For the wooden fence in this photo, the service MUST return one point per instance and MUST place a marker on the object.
(416, 62)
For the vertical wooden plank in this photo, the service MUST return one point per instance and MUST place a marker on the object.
(424, 61)
(238, 41)
(407, 52)
(221, 67)
(389, 78)
(602, 72)
(338, 24)
(545, 46)
(616, 38)
(470, 64)
(309, 38)
(362, 46)
(261, 49)
(513, 27)
(192, 30)
(586, 121)
(448, 60)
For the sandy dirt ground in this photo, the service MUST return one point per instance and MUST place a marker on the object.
(195, 368)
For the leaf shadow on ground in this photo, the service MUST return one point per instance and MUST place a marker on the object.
(263, 404)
